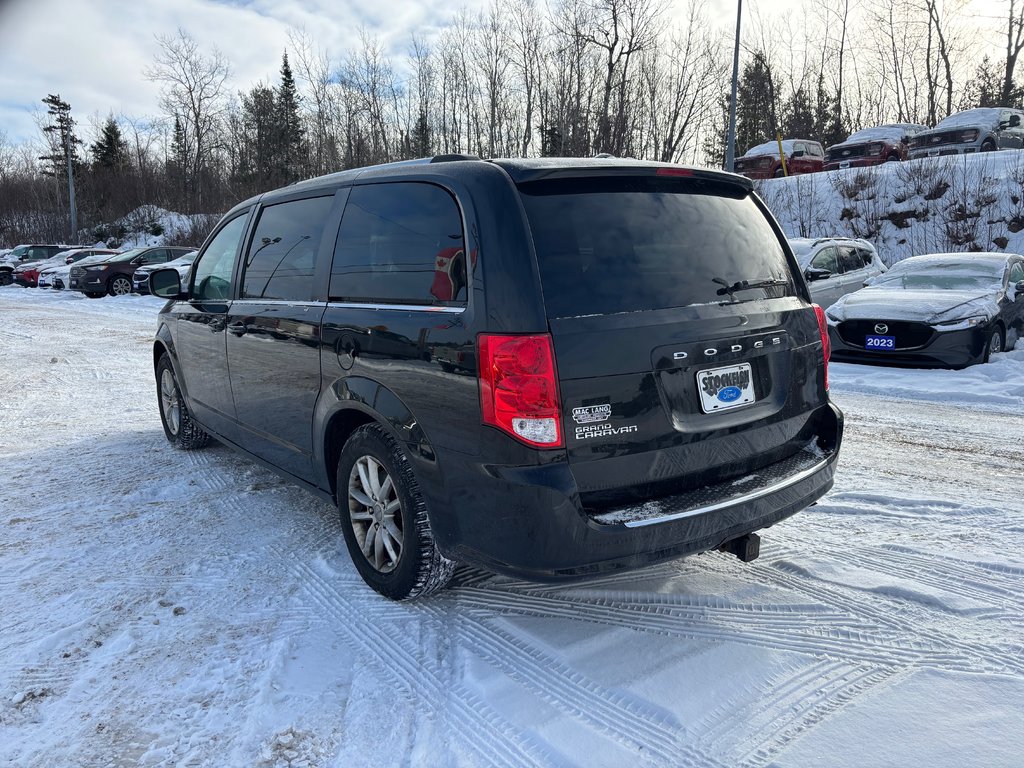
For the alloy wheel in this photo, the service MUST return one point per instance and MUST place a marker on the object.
(995, 344)
(376, 514)
(121, 286)
(170, 402)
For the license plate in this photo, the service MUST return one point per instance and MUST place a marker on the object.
(933, 153)
(74, 283)
(724, 388)
(879, 342)
(844, 164)
(136, 283)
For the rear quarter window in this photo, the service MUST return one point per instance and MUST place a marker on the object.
(400, 243)
(615, 245)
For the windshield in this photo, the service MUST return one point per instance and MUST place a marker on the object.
(611, 245)
(126, 256)
(930, 274)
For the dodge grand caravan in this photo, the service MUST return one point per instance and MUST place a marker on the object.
(548, 368)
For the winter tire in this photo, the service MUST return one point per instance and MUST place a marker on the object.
(994, 342)
(119, 286)
(778, 173)
(180, 429)
(988, 146)
(384, 518)
(6, 278)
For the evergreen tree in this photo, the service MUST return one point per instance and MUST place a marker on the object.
(756, 118)
(985, 88)
(291, 144)
(261, 160)
(421, 140)
(110, 150)
(178, 164)
(550, 141)
(61, 135)
(798, 117)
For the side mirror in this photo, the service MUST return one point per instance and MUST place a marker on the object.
(813, 274)
(1014, 121)
(166, 283)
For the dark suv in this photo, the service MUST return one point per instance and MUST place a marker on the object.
(548, 368)
(114, 276)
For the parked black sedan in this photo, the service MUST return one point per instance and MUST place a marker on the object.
(946, 310)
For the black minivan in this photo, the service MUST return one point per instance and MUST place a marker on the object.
(549, 368)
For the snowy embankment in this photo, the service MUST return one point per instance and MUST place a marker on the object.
(936, 205)
(167, 608)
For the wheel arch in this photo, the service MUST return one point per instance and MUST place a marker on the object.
(356, 401)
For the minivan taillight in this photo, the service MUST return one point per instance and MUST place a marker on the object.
(519, 388)
(826, 345)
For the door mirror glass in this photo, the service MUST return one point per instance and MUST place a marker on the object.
(165, 283)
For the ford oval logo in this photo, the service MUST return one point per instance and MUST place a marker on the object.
(882, 328)
(729, 394)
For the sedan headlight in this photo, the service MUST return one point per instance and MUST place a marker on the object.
(961, 324)
(94, 269)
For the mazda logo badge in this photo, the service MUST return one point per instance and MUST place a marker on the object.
(882, 328)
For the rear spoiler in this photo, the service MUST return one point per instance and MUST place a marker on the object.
(524, 174)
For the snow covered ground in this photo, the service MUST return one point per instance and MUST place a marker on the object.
(167, 608)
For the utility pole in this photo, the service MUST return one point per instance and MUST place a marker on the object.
(71, 190)
(730, 141)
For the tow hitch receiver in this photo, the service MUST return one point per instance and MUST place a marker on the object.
(746, 548)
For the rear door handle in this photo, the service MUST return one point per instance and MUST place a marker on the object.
(238, 329)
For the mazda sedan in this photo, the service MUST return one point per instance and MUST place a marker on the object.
(944, 310)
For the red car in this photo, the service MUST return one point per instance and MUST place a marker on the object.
(872, 146)
(762, 161)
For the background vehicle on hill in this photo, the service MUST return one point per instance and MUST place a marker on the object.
(940, 310)
(114, 276)
(762, 161)
(975, 130)
(552, 368)
(872, 146)
(835, 266)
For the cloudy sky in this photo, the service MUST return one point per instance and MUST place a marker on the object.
(93, 52)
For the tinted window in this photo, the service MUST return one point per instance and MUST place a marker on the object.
(282, 254)
(866, 257)
(156, 256)
(400, 244)
(625, 244)
(212, 273)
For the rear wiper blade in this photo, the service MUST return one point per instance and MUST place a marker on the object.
(746, 285)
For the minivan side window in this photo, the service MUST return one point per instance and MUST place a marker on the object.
(211, 275)
(400, 243)
(282, 255)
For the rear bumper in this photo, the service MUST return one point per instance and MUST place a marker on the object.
(528, 521)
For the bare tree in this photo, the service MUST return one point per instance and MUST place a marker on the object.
(1014, 45)
(193, 90)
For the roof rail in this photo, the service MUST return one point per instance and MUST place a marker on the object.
(453, 158)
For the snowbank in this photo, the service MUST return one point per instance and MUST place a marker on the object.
(933, 205)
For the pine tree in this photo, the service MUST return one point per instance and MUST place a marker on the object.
(798, 118)
(110, 150)
(261, 161)
(62, 139)
(421, 140)
(178, 163)
(291, 144)
(985, 88)
(756, 118)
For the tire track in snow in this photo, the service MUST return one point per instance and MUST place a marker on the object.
(634, 724)
(494, 741)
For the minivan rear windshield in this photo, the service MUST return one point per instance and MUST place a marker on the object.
(611, 245)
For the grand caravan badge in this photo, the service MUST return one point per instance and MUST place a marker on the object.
(590, 414)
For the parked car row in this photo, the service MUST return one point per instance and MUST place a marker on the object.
(95, 272)
(974, 130)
